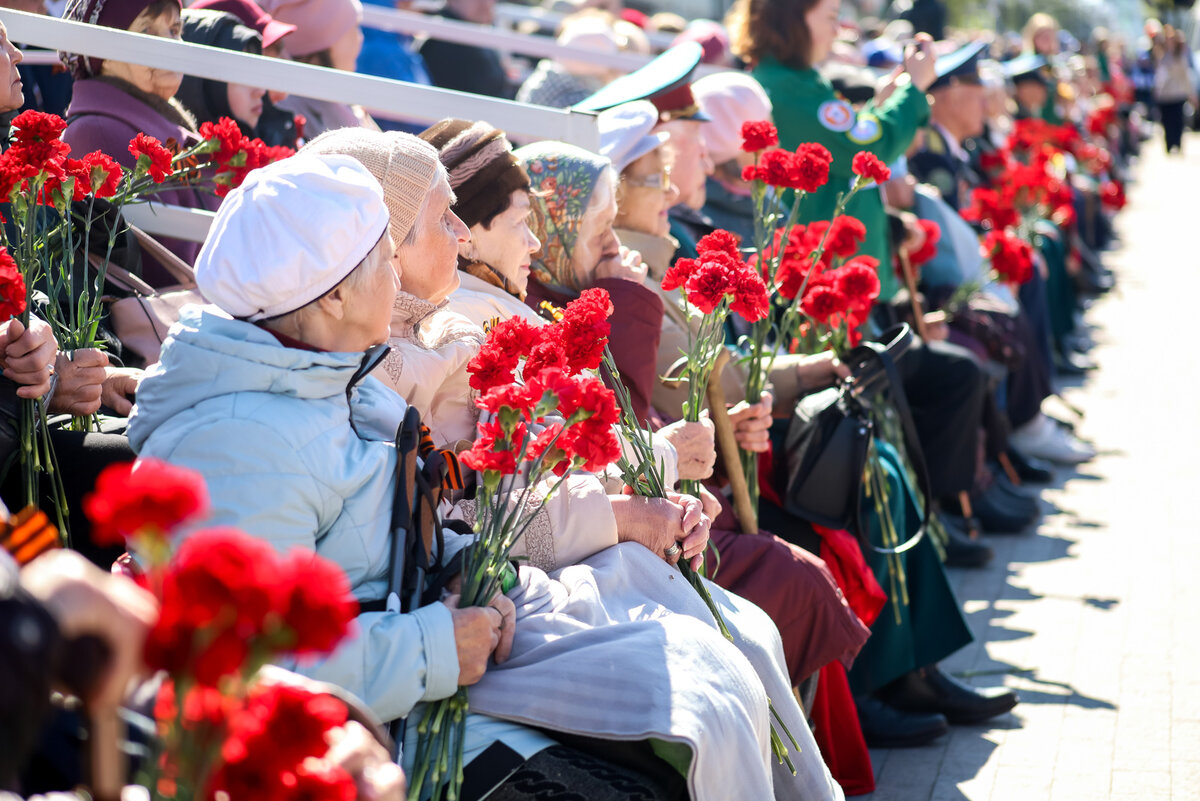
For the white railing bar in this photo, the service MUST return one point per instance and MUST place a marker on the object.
(449, 30)
(39, 58)
(511, 12)
(398, 21)
(405, 100)
(161, 219)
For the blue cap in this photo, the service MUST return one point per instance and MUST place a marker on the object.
(962, 65)
(665, 82)
(1029, 67)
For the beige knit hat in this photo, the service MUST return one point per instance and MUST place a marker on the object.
(404, 165)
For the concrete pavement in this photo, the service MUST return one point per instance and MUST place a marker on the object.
(1094, 617)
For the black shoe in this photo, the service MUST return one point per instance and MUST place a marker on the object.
(930, 690)
(885, 726)
(1000, 513)
(1030, 470)
(961, 550)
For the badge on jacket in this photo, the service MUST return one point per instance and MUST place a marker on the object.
(865, 130)
(836, 115)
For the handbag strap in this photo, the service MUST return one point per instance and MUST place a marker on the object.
(121, 277)
(177, 267)
(901, 340)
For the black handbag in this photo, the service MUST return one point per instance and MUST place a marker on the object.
(830, 434)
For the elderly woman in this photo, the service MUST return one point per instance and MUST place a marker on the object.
(114, 101)
(268, 395)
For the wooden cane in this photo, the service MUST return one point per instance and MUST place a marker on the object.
(727, 447)
(910, 281)
(107, 762)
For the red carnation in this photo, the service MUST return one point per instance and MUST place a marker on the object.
(548, 354)
(220, 596)
(749, 173)
(677, 274)
(104, 174)
(858, 280)
(317, 780)
(928, 249)
(810, 167)
(822, 302)
(516, 397)
(13, 292)
(586, 397)
(868, 167)
(158, 158)
(320, 607)
(515, 336)
(758, 135)
(750, 297)
(773, 168)
(493, 450)
(583, 330)
(492, 366)
(37, 126)
(593, 441)
(557, 458)
(143, 497)
(1112, 195)
(720, 241)
(709, 284)
(1011, 256)
(846, 234)
(227, 139)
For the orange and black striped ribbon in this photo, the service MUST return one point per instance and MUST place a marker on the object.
(453, 479)
(28, 535)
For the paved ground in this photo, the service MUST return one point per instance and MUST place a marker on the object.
(1094, 618)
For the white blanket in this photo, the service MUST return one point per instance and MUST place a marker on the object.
(621, 647)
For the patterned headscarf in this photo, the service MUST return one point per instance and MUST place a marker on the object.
(564, 178)
(118, 14)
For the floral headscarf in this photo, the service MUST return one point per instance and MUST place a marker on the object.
(563, 178)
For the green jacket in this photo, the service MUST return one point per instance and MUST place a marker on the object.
(806, 109)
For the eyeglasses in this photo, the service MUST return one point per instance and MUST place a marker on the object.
(660, 181)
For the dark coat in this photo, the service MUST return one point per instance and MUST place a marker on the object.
(105, 115)
(466, 68)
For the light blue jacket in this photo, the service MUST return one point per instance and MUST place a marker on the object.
(297, 451)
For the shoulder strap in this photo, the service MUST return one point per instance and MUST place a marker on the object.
(180, 269)
(899, 343)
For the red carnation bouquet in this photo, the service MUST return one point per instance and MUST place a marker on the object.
(718, 281)
(788, 255)
(228, 605)
(54, 200)
(545, 414)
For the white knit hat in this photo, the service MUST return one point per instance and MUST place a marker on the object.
(405, 165)
(290, 233)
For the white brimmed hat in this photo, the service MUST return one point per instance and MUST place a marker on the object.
(290, 233)
(625, 132)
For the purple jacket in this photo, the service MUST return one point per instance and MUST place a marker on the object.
(103, 117)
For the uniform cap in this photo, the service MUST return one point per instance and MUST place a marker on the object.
(665, 82)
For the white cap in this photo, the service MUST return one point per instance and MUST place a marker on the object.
(625, 132)
(290, 233)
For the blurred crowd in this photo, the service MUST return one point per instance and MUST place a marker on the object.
(1006, 153)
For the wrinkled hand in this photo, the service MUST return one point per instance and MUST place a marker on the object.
(920, 63)
(711, 503)
(480, 631)
(85, 600)
(914, 234)
(888, 87)
(378, 778)
(80, 382)
(659, 523)
(628, 268)
(119, 387)
(695, 445)
(752, 423)
(28, 356)
(821, 370)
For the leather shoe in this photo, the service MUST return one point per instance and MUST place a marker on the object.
(884, 726)
(930, 690)
(1030, 470)
(1000, 513)
(961, 550)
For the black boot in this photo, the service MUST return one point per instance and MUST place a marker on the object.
(884, 726)
(1032, 471)
(930, 690)
(961, 550)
